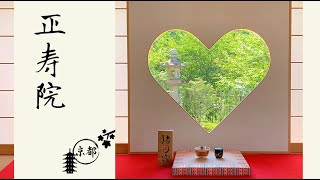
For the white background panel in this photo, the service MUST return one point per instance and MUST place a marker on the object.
(6, 103)
(297, 22)
(121, 22)
(6, 130)
(296, 75)
(86, 75)
(296, 129)
(6, 22)
(121, 103)
(121, 76)
(121, 49)
(297, 49)
(6, 76)
(296, 103)
(6, 4)
(6, 49)
(121, 129)
(311, 95)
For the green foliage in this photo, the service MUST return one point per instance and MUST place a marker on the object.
(190, 49)
(209, 126)
(216, 79)
(197, 98)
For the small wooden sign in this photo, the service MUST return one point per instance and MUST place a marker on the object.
(165, 147)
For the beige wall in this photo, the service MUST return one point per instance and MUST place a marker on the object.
(6, 72)
(296, 77)
(121, 73)
(296, 72)
(260, 123)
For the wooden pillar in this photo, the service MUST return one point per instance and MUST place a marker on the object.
(165, 147)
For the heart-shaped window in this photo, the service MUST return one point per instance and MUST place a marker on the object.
(209, 83)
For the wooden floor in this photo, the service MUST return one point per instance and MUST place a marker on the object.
(5, 160)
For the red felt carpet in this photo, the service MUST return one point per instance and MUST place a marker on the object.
(7, 172)
(145, 166)
(262, 166)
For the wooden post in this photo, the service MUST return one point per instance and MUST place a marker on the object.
(165, 147)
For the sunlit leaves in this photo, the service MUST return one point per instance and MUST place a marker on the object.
(216, 79)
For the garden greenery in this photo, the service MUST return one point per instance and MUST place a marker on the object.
(216, 79)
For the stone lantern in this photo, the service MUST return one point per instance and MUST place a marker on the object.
(173, 66)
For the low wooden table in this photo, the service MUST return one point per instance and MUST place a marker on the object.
(231, 164)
